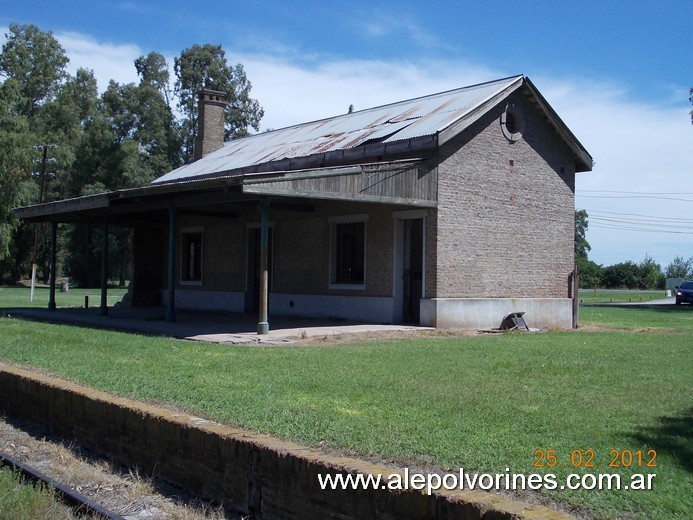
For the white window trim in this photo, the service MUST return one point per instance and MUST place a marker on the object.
(189, 231)
(347, 219)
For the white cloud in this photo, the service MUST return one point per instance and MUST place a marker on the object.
(108, 61)
(292, 94)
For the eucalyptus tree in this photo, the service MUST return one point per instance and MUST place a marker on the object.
(32, 71)
(16, 188)
(36, 60)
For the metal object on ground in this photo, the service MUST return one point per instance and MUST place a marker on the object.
(514, 321)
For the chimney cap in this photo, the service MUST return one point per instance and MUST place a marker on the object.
(212, 95)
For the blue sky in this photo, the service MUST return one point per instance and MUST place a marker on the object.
(617, 72)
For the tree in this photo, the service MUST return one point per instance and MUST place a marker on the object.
(36, 61)
(124, 138)
(32, 66)
(16, 188)
(624, 275)
(651, 276)
(153, 71)
(680, 268)
(582, 246)
(204, 66)
(590, 273)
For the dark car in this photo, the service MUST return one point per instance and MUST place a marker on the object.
(684, 293)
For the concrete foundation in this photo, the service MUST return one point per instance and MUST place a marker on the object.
(487, 313)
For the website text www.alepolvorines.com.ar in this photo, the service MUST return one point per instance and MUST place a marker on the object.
(431, 482)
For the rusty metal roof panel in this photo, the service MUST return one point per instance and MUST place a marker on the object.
(418, 117)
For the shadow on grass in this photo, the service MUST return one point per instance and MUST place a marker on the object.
(673, 435)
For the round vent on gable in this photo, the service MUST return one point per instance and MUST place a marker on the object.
(512, 123)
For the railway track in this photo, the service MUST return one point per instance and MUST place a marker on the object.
(78, 502)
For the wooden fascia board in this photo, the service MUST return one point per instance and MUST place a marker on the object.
(292, 193)
(69, 206)
(329, 172)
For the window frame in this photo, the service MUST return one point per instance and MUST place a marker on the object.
(334, 223)
(185, 255)
(512, 123)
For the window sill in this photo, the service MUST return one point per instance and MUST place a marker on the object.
(347, 286)
(190, 282)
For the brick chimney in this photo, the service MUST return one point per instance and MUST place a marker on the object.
(210, 122)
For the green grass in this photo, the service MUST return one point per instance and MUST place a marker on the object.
(615, 296)
(640, 318)
(484, 403)
(17, 297)
(19, 501)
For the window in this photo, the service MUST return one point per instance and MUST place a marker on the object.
(191, 257)
(512, 123)
(348, 252)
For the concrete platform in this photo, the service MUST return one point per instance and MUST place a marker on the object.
(215, 327)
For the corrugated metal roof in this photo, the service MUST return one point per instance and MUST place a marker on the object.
(418, 117)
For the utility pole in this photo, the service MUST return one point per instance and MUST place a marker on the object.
(37, 230)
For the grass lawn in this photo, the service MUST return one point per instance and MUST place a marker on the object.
(483, 403)
(654, 318)
(616, 296)
(16, 297)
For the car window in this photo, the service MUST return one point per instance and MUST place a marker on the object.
(687, 285)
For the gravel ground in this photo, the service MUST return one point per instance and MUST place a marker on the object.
(124, 492)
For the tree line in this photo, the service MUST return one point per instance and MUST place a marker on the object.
(646, 274)
(61, 138)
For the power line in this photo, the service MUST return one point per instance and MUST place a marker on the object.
(591, 212)
(639, 222)
(640, 192)
(658, 225)
(633, 197)
(626, 228)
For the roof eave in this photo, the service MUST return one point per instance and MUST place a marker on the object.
(470, 117)
(584, 161)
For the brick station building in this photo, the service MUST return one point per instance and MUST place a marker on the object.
(450, 210)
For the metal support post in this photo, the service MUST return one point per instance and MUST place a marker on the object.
(104, 271)
(171, 300)
(53, 275)
(263, 324)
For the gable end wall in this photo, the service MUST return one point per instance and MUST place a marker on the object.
(505, 231)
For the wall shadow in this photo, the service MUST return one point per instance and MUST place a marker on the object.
(672, 435)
